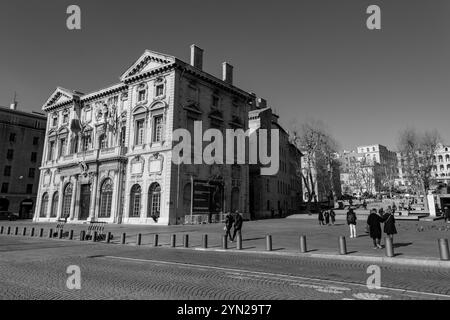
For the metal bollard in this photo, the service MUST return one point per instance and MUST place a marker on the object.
(186, 241)
(342, 245)
(123, 239)
(205, 241)
(155, 240)
(50, 233)
(16, 231)
(60, 234)
(82, 235)
(41, 232)
(389, 247)
(303, 248)
(71, 235)
(24, 232)
(94, 237)
(173, 241)
(268, 243)
(8, 231)
(224, 242)
(443, 249)
(239, 242)
(32, 232)
(138, 239)
(108, 237)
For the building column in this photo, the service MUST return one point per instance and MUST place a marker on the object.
(93, 204)
(75, 197)
(60, 199)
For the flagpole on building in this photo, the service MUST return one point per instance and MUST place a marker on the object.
(192, 195)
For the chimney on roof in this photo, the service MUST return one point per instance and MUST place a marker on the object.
(227, 72)
(196, 57)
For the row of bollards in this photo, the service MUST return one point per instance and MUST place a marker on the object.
(443, 245)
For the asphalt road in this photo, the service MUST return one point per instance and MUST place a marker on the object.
(33, 268)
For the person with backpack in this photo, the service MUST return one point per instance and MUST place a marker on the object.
(321, 218)
(332, 216)
(389, 225)
(351, 221)
(374, 222)
(238, 221)
(327, 217)
(229, 220)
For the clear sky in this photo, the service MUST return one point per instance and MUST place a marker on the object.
(310, 59)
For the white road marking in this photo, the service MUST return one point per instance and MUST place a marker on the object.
(268, 274)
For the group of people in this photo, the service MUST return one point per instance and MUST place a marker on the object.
(233, 220)
(374, 221)
(326, 216)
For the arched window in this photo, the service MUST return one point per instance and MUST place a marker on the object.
(102, 141)
(154, 200)
(67, 200)
(135, 201)
(74, 144)
(106, 192)
(44, 205)
(55, 201)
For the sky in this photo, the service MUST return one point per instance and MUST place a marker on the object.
(311, 60)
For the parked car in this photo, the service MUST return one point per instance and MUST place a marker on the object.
(6, 215)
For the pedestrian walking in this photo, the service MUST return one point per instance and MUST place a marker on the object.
(351, 221)
(321, 218)
(394, 208)
(374, 222)
(446, 214)
(327, 217)
(389, 225)
(238, 221)
(332, 216)
(229, 220)
(364, 204)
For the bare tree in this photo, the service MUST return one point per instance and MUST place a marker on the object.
(318, 148)
(418, 152)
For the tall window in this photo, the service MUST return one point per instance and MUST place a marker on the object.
(75, 144)
(102, 141)
(154, 197)
(7, 171)
(123, 133)
(55, 202)
(106, 199)
(139, 132)
(142, 94)
(33, 157)
(31, 172)
(44, 205)
(51, 150)
(35, 141)
(66, 117)
(158, 129)
(159, 90)
(10, 154)
(62, 147)
(12, 137)
(87, 141)
(135, 201)
(67, 200)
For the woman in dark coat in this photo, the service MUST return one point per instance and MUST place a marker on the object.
(321, 218)
(327, 217)
(389, 225)
(374, 221)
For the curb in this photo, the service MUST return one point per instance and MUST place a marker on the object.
(424, 262)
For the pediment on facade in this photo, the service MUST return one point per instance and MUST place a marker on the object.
(148, 61)
(60, 95)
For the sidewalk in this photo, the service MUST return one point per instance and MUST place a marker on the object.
(416, 241)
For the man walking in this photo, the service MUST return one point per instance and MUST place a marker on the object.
(229, 220)
(238, 220)
(446, 214)
(351, 221)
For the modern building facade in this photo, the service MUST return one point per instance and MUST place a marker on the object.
(108, 154)
(281, 194)
(22, 136)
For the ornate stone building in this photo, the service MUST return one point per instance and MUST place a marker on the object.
(108, 154)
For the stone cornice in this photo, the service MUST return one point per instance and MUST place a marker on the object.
(120, 87)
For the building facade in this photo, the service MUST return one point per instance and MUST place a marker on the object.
(108, 154)
(22, 135)
(280, 194)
